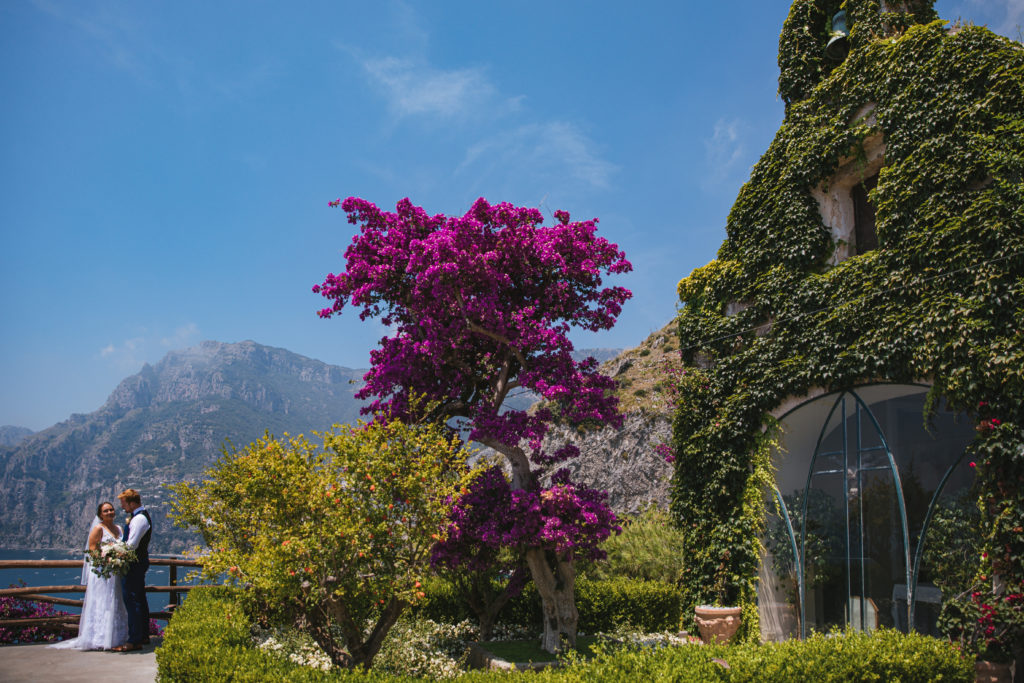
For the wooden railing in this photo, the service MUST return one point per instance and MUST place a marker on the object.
(38, 593)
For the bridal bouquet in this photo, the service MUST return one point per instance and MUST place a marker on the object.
(110, 558)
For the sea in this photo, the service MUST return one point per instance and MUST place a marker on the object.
(72, 576)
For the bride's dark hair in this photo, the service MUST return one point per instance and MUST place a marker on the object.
(100, 507)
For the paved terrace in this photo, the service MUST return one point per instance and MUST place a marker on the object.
(36, 662)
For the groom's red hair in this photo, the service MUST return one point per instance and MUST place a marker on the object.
(130, 496)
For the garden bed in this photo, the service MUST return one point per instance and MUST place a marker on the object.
(210, 639)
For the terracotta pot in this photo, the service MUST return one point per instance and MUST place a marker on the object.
(992, 672)
(717, 624)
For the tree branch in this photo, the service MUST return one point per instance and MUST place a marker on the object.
(522, 477)
(499, 338)
(487, 333)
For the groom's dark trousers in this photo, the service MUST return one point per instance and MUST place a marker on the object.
(133, 589)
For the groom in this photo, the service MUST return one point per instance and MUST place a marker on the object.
(136, 534)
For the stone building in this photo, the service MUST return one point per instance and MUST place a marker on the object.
(858, 340)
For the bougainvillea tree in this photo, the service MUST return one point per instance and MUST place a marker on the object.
(491, 527)
(481, 305)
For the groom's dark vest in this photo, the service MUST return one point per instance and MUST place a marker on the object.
(142, 552)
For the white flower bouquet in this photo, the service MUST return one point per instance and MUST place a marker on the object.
(110, 558)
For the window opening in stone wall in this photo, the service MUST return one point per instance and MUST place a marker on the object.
(864, 216)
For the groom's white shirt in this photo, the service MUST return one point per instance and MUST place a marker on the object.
(137, 527)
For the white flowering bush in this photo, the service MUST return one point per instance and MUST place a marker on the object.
(421, 647)
(424, 648)
(293, 645)
(651, 640)
(414, 647)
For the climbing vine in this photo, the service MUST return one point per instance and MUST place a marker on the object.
(941, 300)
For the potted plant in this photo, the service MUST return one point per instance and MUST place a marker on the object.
(719, 621)
(717, 624)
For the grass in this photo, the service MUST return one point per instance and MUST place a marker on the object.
(522, 651)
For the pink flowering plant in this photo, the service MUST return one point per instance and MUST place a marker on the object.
(481, 305)
(17, 608)
(476, 554)
(986, 623)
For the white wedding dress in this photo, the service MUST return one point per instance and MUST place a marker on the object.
(104, 622)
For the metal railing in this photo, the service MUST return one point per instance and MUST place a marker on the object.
(38, 593)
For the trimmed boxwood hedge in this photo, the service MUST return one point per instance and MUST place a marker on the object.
(209, 640)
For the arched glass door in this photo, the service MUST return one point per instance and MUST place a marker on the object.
(862, 476)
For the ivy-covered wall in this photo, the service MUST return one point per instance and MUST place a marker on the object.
(941, 300)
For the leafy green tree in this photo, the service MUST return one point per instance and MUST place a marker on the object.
(335, 538)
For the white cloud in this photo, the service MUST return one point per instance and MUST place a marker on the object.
(1005, 17)
(130, 354)
(414, 88)
(182, 336)
(113, 31)
(508, 151)
(553, 153)
(722, 151)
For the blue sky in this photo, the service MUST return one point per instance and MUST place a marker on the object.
(166, 167)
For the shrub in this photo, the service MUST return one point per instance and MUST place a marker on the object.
(648, 548)
(209, 639)
(337, 535)
(884, 655)
(881, 656)
(15, 608)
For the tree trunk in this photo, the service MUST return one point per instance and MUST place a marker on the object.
(485, 603)
(558, 598)
(486, 619)
(318, 625)
(363, 654)
(557, 585)
(357, 651)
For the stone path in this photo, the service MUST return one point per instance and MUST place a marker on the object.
(36, 662)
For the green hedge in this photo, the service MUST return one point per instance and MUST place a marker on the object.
(603, 606)
(209, 640)
(881, 656)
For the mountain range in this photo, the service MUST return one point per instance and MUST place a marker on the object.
(163, 425)
(169, 422)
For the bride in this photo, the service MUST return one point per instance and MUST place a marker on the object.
(104, 622)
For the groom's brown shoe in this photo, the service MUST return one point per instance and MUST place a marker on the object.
(127, 647)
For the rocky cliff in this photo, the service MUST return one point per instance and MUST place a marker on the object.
(12, 436)
(623, 461)
(165, 424)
